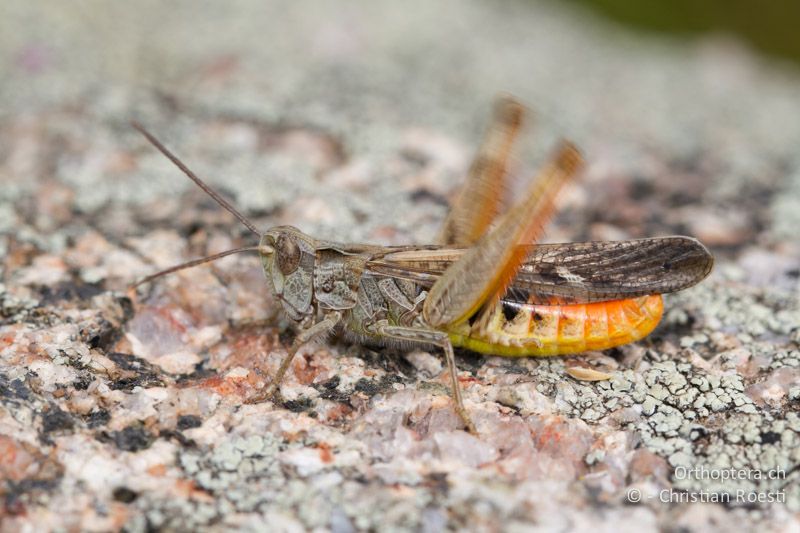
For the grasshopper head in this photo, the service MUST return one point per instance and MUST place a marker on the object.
(288, 256)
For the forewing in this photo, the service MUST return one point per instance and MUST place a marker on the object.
(597, 271)
(574, 272)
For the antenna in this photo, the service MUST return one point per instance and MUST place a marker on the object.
(192, 176)
(194, 262)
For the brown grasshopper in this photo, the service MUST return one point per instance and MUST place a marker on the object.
(486, 286)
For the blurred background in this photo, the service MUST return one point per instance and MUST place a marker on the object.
(769, 27)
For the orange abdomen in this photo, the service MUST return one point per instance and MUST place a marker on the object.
(538, 330)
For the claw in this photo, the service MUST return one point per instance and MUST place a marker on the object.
(467, 422)
(270, 392)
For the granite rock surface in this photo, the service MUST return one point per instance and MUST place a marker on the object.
(128, 409)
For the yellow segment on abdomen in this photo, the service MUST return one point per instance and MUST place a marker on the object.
(539, 330)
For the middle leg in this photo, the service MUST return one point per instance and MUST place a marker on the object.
(436, 338)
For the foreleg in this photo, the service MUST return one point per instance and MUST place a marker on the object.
(320, 328)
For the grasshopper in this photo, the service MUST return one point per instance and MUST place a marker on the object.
(486, 286)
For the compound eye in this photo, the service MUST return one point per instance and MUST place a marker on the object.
(287, 255)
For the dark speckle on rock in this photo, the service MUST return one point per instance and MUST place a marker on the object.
(97, 418)
(54, 419)
(199, 372)
(329, 390)
(124, 495)
(131, 439)
(83, 381)
(437, 481)
(137, 372)
(367, 386)
(300, 405)
(189, 422)
(179, 437)
(13, 389)
(16, 493)
(128, 361)
(372, 387)
(69, 291)
(101, 334)
(126, 305)
(331, 383)
(144, 380)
